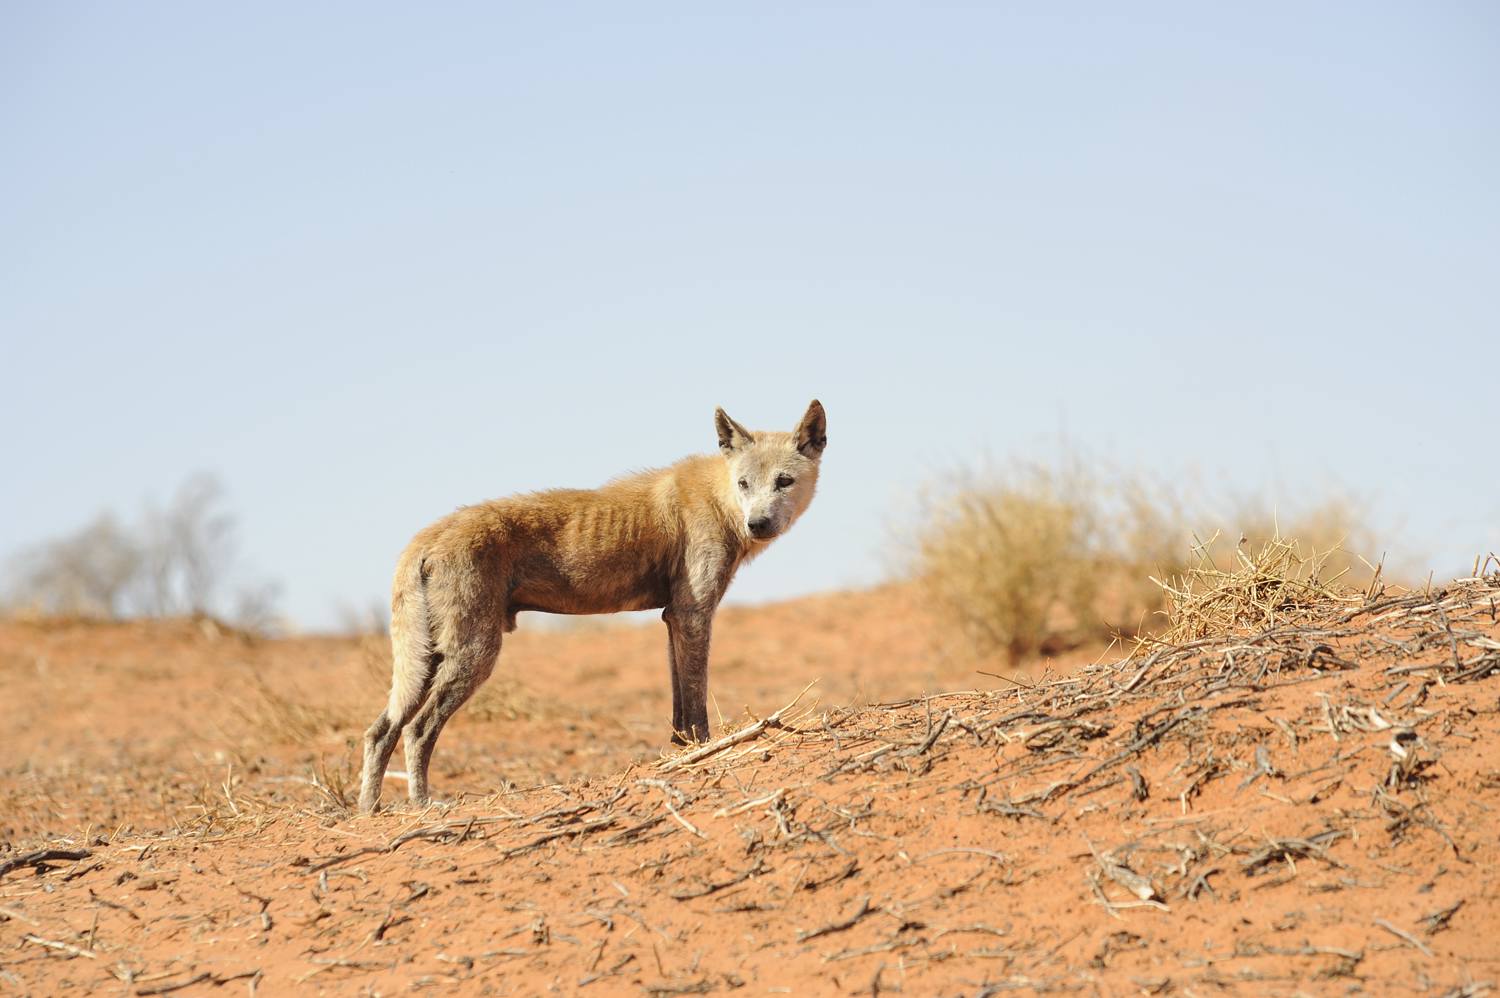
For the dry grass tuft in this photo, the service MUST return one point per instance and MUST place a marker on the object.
(292, 719)
(337, 782)
(504, 698)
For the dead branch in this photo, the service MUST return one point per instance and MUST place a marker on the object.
(41, 857)
(1405, 936)
(697, 755)
(839, 926)
(60, 947)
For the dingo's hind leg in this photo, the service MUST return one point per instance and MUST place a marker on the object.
(462, 671)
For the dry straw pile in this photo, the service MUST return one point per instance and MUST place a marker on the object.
(1283, 580)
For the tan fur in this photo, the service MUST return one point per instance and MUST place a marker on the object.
(670, 539)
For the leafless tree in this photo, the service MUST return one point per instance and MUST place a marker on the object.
(189, 550)
(181, 560)
(87, 573)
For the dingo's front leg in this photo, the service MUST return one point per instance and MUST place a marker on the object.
(677, 722)
(689, 631)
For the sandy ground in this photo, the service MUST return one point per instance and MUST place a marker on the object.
(1306, 811)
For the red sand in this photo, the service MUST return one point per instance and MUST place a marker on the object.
(912, 848)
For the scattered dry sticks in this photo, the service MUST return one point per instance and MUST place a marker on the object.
(452, 829)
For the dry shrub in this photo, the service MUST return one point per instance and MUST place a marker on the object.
(1146, 538)
(1034, 560)
(88, 574)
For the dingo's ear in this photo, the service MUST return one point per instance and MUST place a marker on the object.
(732, 436)
(812, 432)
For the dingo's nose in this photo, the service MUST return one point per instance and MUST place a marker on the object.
(760, 527)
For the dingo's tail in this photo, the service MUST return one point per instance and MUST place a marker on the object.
(411, 642)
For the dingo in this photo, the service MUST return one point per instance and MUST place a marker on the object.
(670, 539)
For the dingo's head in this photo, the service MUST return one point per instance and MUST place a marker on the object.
(773, 474)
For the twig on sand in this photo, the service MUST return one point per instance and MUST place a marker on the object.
(204, 978)
(996, 856)
(683, 821)
(162, 989)
(18, 916)
(1405, 936)
(1142, 887)
(730, 811)
(840, 926)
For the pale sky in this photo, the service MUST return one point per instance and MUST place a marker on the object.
(368, 262)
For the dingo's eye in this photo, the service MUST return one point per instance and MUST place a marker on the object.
(785, 481)
(744, 485)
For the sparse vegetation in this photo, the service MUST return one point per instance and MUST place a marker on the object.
(503, 698)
